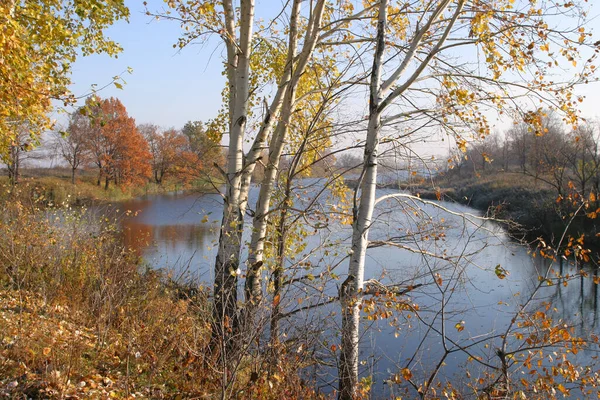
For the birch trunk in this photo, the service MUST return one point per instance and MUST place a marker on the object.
(225, 309)
(260, 221)
(278, 278)
(350, 292)
(253, 290)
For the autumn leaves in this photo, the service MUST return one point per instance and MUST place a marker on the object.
(101, 134)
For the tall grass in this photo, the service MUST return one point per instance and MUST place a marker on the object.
(53, 186)
(82, 316)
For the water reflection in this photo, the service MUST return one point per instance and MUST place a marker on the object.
(173, 231)
(180, 232)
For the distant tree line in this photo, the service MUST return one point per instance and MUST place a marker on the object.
(565, 159)
(101, 135)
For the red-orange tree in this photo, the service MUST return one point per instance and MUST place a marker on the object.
(171, 154)
(118, 149)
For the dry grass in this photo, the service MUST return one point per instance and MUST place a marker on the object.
(53, 186)
(82, 318)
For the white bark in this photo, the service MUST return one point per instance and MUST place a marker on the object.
(351, 291)
(253, 289)
(260, 221)
(225, 310)
(363, 213)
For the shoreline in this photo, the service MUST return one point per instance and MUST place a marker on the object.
(534, 209)
(52, 191)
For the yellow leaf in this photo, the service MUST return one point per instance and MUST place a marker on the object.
(406, 374)
(562, 389)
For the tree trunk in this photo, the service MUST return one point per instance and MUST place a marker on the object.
(253, 288)
(350, 291)
(278, 274)
(16, 165)
(73, 175)
(106, 182)
(225, 312)
(225, 309)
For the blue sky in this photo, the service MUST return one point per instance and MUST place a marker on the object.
(169, 87)
(166, 87)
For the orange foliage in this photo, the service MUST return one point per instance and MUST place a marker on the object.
(172, 154)
(177, 157)
(119, 150)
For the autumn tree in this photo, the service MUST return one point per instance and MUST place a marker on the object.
(71, 145)
(252, 62)
(171, 154)
(279, 233)
(507, 45)
(40, 40)
(19, 150)
(203, 143)
(415, 83)
(582, 158)
(117, 148)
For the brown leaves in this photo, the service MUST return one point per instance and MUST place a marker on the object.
(406, 374)
(276, 300)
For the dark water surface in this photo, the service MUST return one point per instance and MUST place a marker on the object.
(180, 232)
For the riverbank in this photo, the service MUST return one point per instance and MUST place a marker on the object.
(83, 317)
(56, 190)
(532, 204)
(530, 207)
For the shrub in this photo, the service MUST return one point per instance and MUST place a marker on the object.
(82, 316)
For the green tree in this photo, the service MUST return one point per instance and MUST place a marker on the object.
(203, 144)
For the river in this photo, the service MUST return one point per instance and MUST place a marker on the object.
(180, 232)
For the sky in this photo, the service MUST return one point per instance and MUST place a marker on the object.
(170, 87)
(166, 87)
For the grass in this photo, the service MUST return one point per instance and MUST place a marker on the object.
(82, 317)
(53, 186)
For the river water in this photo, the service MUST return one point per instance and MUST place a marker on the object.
(469, 302)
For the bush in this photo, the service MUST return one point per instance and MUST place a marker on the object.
(82, 316)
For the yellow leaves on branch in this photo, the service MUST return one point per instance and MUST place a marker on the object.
(39, 41)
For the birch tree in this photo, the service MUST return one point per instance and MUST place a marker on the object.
(457, 64)
(236, 29)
